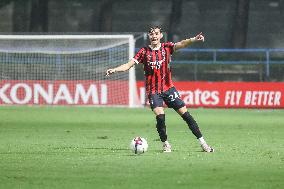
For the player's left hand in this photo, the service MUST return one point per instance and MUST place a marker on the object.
(199, 37)
(110, 71)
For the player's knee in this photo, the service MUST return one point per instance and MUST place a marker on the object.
(181, 111)
(158, 110)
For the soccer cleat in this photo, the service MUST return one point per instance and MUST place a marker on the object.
(206, 148)
(167, 147)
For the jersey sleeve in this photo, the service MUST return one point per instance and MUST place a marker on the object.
(171, 46)
(139, 57)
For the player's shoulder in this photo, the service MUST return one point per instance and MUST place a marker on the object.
(143, 50)
(169, 44)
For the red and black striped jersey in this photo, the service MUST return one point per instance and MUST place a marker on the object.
(157, 68)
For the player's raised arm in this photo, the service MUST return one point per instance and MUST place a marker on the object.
(186, 42)
(121, 68)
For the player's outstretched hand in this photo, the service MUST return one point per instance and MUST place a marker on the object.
(109, 72)
(199, 37)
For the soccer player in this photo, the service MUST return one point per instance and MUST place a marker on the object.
(156, 59)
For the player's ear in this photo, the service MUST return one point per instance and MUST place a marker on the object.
(162, 35)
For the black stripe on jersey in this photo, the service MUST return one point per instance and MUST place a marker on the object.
(162, 69)
(146, 83)
(168, 66)
(156, 75)
(151, 70)
(146, 68)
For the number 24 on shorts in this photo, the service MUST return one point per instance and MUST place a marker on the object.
(174, 96)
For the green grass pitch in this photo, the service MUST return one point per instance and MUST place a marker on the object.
(70, 147)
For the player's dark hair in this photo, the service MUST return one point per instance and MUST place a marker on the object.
(152, 28)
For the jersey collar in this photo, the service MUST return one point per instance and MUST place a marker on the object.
(156, 48)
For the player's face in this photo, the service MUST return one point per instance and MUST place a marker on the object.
(155, 36)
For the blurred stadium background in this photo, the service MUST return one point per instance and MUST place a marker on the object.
(234, 24)
(240, 65)
(244, 38)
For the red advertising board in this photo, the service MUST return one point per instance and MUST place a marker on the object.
(230, 94)
(60, 92)
(116, 93)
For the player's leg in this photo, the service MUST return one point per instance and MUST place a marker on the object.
(173, 100)
(193, 126)
(156, 103)
(160, 123)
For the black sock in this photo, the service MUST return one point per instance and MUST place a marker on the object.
(161, 127)
(192, 124)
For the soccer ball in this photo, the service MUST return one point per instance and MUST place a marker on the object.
(139, 145)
